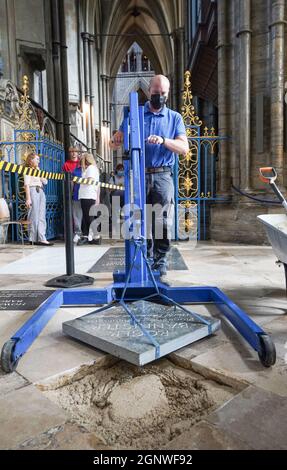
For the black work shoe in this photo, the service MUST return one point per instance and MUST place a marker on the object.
(82, 241)
(150, 260)
(159, 267)
(162, 274)
(43, 243)
(163, 279)
(96, 241)
(162, 270)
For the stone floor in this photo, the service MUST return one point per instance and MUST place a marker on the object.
(254, 418)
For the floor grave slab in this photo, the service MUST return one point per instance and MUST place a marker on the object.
(23, 299)
(114, 259)
(113, 330)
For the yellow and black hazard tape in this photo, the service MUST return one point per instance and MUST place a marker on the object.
(79, 180)
(25, 170)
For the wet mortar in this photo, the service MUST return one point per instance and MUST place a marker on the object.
(131, 407)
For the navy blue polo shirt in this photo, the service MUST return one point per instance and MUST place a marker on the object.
(166, 123)
(77, 172)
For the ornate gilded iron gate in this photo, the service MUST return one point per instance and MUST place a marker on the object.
(28, 138)
(195, 175)
(51, 159)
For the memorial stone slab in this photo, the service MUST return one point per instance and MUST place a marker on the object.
(114, 259)
(113, 330)
(23, 299)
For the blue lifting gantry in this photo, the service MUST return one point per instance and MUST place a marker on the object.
(138, 283)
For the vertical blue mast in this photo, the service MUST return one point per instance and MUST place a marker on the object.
(135, 190)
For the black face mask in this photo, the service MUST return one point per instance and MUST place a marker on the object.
(157, 100)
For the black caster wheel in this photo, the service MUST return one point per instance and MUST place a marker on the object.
(7, 363)
(267, 355)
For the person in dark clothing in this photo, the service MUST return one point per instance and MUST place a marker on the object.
(119, 180)
(73, 166)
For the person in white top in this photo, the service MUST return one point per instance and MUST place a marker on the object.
(89, 194)
(36, 203)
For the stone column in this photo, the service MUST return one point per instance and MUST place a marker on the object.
(181, 61)
(92, 94)
(178, 67)
(175, 102)
(8, 40)
(129, 63)
(86, 38)
(11, 26)
(105, 117)
(223, 118)
(87, 105)
(277, 27)
(107, 155)
(104, 98)
(139, 61)
(107, 98)
(57, 70)
(244, 35)
(98, 88)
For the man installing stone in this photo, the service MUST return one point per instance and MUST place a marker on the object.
(165, 136)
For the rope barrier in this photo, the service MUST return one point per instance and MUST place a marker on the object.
(257, 199)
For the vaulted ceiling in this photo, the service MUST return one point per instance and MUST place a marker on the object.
(149, 23)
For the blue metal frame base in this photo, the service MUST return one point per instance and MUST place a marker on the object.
(24, 337)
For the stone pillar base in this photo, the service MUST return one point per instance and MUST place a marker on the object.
(237, 222)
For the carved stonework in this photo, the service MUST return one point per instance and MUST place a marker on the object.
(77, 122)
(18, 114)
(9, 100)
(18, 111)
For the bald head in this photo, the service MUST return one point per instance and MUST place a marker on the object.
(159, 84)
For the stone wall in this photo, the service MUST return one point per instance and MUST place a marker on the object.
(252, 69)
(72, 37)
(25, 45)
(237, 222)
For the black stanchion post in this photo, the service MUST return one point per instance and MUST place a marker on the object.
(69, 247)
(70, 279)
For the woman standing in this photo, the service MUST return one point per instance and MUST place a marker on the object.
(73, 166)
(36, 203)
(88, 194)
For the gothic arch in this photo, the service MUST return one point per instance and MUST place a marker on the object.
(138, 82)
(152, 20)
(48, 129)
(116, 17)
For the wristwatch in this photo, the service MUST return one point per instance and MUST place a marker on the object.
(163, 140)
